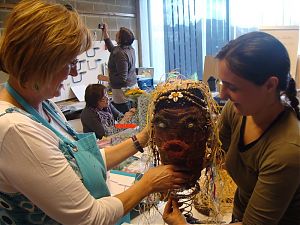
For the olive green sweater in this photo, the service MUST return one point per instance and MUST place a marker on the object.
(267, 171)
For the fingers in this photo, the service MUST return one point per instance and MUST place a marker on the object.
(184, 175)
(179, 205)
(105, 26)
(129, 114)
(164, 177)
(133, 110)
(175, 206)
(179, 172)
(172, 214)
(168, 207)
(178, 179)
(179, 169)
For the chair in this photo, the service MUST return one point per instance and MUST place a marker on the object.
(210, 73)
(210, 68)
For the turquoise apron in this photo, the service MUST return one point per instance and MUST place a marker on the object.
(85, 149)
(82, 154)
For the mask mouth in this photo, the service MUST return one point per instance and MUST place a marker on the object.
(175, 149)
(177, 152)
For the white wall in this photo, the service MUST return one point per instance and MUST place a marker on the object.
(90, 65)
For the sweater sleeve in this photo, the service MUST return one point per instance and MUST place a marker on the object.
(91, 123)
(122, 65)
(116, 113)
(225, 128)
(109, 44)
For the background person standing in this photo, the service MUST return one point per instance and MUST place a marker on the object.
(121, 66)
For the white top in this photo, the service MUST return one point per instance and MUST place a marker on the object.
(32, 164)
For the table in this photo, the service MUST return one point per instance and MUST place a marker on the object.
(71, 108)
(154, 217)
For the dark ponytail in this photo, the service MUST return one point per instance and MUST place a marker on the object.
(291, 93)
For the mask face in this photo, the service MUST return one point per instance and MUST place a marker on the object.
(180, 135)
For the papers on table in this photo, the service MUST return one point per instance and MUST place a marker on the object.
(79, 91)
(119, 181)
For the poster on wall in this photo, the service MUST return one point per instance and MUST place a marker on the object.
(289, 36)
(90, 64)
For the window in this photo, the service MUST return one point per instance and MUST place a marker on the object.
(193, 29)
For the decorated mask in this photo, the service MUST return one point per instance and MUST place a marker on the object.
(182, 123)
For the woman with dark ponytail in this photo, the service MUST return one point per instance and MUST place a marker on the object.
(291, 93)
(259, 132)
(260, 129)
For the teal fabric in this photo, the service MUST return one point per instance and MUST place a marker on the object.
(17, 209)
(87, 163)
(91, 165)
(82, 154)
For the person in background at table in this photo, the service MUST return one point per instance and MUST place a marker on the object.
(99, 115)
(49, 174)
(121, 66)
(260, 131)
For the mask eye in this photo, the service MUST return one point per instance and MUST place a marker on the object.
(160, 122)
(161, 125)
(190, 125)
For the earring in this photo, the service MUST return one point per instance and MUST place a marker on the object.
(36, 87)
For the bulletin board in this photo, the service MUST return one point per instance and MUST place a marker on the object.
(90, 64)
(289, 36)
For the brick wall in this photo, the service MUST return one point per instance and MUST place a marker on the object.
(116, 13)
